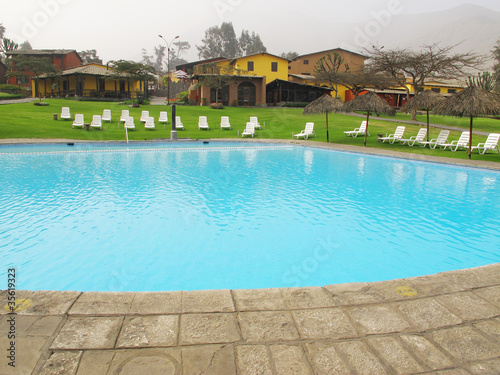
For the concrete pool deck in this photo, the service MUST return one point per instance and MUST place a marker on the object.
(447, 323)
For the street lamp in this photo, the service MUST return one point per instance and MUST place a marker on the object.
(168, 65)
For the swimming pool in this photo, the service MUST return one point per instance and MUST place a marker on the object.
(187, 216)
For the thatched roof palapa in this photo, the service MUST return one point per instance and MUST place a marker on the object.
(324, 104)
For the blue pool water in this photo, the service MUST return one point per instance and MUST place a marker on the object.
(225, 215)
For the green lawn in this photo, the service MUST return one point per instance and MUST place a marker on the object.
(30, 121)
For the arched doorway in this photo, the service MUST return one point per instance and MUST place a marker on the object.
(221, 94)
(246, 94)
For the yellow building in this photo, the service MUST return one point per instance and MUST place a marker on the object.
(90, 80)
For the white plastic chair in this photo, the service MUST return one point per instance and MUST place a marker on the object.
(255, 121)
(249, 130)
(106, 115)
(420, 137)
(490, 144)
(129, 123)
(224, 123)
(96, 122)
(462, 142)
(357, 131)
(79, 121)
(65, 113)
(163, 119)
(397, 136)
(178, 123)
(203, 123)
(150, 123)
(307, 132)
(440, 140)
(144, 116)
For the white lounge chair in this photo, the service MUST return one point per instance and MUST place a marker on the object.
(249, 130)
(203, 123)
(490, 144)
(163, 119)
(124, 116)
(391, 138)
(106, 115)
(420, 137)
(307, 132)
(96, 122)
(440, 140)
(79, 121)
(65, 113)
(255, 121)
(144, 116)
(462, 142)
(129, 123)
(354, 133)
(178, 123)
(224, 123)
(150, 123)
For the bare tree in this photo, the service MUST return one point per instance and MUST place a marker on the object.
(496, 67)
(432, 61)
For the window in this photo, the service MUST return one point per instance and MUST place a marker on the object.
(306, 62)
(250, 66)
(452, 91)
(274, 67)
(436, 90)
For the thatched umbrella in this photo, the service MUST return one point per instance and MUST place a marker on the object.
(427, 100)
(369, 102)
(472, 102)
(324, 104)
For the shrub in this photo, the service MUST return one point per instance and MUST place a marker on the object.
(294, 104)
(216, 106)
(183, 96)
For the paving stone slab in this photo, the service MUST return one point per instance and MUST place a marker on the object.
(253, 359)
(149, 331)
(427, 313)
(61, 363)
(208, 329)
(465, 344)
(455, 371)
(146, 361)
(427, 352)
(396, 290)
(354, 294)
(377, 319)
(259, 299)
(22, 324)
(290, 359)
(324, 323)
(397, 357)
(485, 368)
(19, 295)
(475, 277)
(161, 303)
(50, 303)
(209, 360)
(361, 359)
(468, 306)
(326, 359)
(88, 333)
(490, 294)
(45, 326)
(267, 326)
(199, 301)
(27, 352)
(490, 328)
(102, 303)
(307, 298)
(95, 362)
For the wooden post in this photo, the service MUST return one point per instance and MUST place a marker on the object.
(470, 138)
(327, 138)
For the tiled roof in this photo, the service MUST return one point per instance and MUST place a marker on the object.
(41, 52)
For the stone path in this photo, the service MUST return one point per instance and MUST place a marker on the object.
(448, 323)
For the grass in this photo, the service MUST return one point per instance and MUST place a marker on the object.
(5, 96)
(25, 120)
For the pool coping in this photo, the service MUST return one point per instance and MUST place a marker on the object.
(448, 321)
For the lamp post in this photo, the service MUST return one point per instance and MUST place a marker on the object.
(168, 65)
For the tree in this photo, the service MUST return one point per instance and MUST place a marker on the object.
(432, 61)
(8, 45)
(147, 59)
(496, 67)
(2, 31)
(175, 54)
(290, 55)
(484, 80)
(250, 44)
(132, 71)
(327, 68)
(90, 56)
(25, 46)
(160, 54)
(24, 66)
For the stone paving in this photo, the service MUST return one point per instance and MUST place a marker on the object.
(448, 323)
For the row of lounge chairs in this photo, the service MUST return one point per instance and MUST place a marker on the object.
(491, 143)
